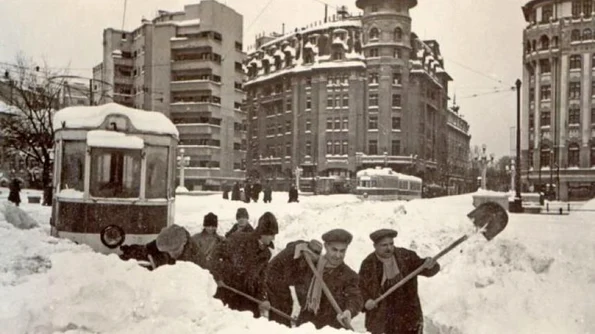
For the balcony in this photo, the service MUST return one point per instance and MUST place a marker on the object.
(192, 43)
(119, 61)
(199, 128)
(123, 80)
(195, 107)
(194, 64)
(191, 85)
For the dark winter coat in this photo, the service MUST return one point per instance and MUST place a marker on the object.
(206, 243)
(282, 272)
(235, 192)
(247, 192)
(267, 194)
(401, 311)
(236, 228)
(256, 189)
(191, 253)
(293, 195)
(240, 262)
(344, 286)
(14, 192)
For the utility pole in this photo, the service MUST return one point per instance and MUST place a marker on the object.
(518, 202)
(90, 92)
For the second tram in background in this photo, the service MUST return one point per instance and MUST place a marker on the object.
(385, 184)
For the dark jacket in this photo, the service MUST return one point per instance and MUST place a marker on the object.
(268, 193)
(344, 286)
(236, 228)
(293, 195)
(14, 190)
(240, 262)
(235, 192)
(400, 311)
(206, 244)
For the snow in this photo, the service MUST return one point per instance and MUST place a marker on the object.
(93, 116)
(537, 276)
(70, 193)
(7, 109)
(187, 22)
(113, 139)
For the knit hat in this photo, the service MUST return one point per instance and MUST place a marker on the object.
(171, 238)
(267, 225)
(210, 219)
(242, 213)
(337, 235)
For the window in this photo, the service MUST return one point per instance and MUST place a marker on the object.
(337, 123)
(288, 105)
(337, 101)
(345, 123)
(73, 165)
(531, 94)
(544, 156)
(397, 53)
(374, 9)
(587, 7)
(337, 55)
(288, 149)
(396, 100)
(239, 46)
(329, 147)
(547, 12)
(115, 173)
(545, 118)
(531, 121)
(373, 123)
(373, 78)
(329, 123)
(330, 101)
(288, 126)
(587, 34)
(337, 147)
(308, 102)
(373, 100)
(308, 125)
(544, 41)
(546, 92)
(574, 90)
(577, 8)
(156, 178)
(345, 148)
(545, 66)
(395, 147)
(308, 148)
(574, 115)
(398, 34)
(397, 79)
(374, 33)
(575, 35)
(373, 147)
(345, 100)
(396, 123)
(373, 53)
(573, 155)
(575, 62)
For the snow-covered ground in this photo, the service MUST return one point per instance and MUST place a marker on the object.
(537, 276)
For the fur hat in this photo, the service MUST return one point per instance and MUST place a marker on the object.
(337, 235)
(210, 219)
(267, 225)
(171, 238)
(242, 213)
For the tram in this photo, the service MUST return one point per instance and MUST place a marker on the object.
(114, 172)
(385, 184)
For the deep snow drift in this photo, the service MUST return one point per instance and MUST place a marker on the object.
(538, 275)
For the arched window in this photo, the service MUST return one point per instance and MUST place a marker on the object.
(544, 42)
(587, 34)
(398, 34)
(544, 156)
(374, 33)
(575, 35)
(573, 155)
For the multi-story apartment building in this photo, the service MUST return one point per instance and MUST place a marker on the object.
(351, 93)
(458, 164)
(558, 106)
(188, 65)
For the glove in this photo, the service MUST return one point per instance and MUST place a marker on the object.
(370, 304)
(429, 263)
(314, 247)
(344, 318)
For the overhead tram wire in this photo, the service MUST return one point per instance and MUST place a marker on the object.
(509, 90)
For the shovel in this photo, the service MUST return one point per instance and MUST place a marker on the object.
(247, 296)
(489, 218)
(326, 290)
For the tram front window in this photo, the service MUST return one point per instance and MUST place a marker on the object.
(115, 173)
(73, 165)
(157, 176)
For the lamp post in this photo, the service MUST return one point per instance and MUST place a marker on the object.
(385, 159)
(511, 170)
(183, 162)
(484, 160)
(518, 201)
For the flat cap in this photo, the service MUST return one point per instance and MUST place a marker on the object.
(337, 235)
(171, 238)
(383, 233)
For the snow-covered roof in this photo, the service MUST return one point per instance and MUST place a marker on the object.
(386, 171)
(81, 117)
(304, 68)
(113, 139)
(187, 22)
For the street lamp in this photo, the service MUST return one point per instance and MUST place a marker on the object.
(511, 169)
(483, 160)
(518, 202)
(183, 162)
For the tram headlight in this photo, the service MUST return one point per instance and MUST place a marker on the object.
(112, 236)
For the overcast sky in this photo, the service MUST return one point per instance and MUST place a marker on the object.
(481, 42)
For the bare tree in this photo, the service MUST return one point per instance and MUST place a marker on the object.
(35, 96)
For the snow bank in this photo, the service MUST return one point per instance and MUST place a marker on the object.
(16, 216)
(535, 277)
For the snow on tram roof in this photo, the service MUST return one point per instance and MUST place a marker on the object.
(93, 116)
(386, 171)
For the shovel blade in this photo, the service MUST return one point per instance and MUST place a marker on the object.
(491, 217)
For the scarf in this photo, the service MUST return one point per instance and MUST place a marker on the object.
(390, 268)
(315, 289)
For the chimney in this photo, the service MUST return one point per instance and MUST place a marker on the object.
(325, 12)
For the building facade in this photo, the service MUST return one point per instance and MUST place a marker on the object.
(187, 65)
(350, 93)
(558, 106)
(458, 163)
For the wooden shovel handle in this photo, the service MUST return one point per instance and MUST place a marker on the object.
(325, 289)
(247, 296)
(420, 269)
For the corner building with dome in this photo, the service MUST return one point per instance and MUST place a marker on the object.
(354, 92)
